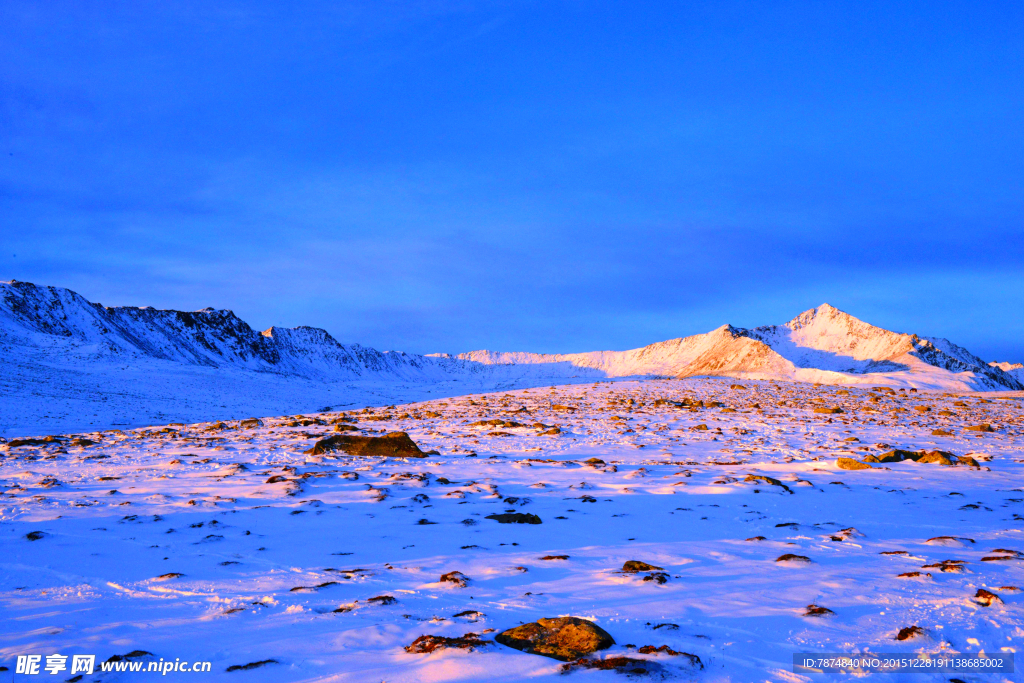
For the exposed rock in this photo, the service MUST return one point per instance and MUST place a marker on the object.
(46, 441)
(619, 664)
(828, 411)
(563, 638)
(957, 541)
(667, 627)
(980, 428)
(657, 577)
(427, 643)
(458, 578)
(986, 598)
(665, 649)
(938, 457)
(395, 445)
(251, 665)
(909, 633)
(345, 428)
(895, 455)
(470, 614)
(767, 480)
(790, 557)
(634, 566)
(851, 464)
(948, 566)
(515, 518)
(817, 611)
(555, 557)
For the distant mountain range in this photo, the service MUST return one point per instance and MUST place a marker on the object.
(56, 327)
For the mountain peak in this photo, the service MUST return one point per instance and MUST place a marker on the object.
(824, 312)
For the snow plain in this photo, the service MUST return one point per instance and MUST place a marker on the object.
(213, 541)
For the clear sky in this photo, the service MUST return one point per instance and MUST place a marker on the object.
(540, 176)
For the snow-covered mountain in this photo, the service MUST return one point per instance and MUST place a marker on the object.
(822, 345)
(68, 328)
(62, 357)
(1013, 369)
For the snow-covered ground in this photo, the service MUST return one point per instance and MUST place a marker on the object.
(42, 397)
(231, 544)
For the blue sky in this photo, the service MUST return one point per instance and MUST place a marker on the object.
(544, 176)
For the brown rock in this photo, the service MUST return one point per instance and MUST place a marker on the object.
(345, 428)
(817, 611)
(898, 455)
(948, 566)
(790, 557)
(986, 598)
(665, 649)
(938, 457)
(428, 643)
(851, 464)
(395, 444)
(458, 578)
(949, 540)
(619, 664)
(767, 480)
(909, 632)
(565, 638)
(634, 566)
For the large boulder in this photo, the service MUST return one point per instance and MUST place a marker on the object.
(393, 445)
(851, 464)
(565, 638)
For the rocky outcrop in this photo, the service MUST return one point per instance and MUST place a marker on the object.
(565, 638)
